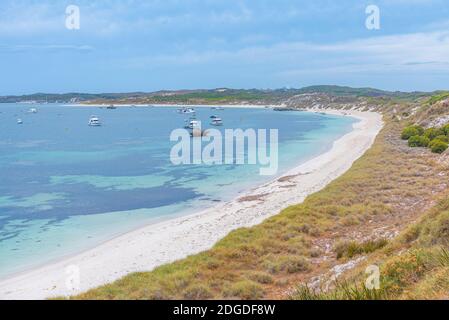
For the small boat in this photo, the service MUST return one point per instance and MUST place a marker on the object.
(19, 121)
(32, 110)
(194, 124)
(213, 117)
(94, 121)
(217, 108)
(186, 111)
(189, 110)
(217, 122)
(189, 121)
(111, 107)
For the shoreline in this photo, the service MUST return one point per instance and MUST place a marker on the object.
(237, 106)
(156, 244)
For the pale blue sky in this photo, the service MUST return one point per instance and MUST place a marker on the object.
(149, 45)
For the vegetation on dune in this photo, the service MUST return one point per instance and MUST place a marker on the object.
(411, 131)
(414, 266)
(438, 97)
(432, 133)
(438, 146)
(418, 141)
(446, 129)
(350, 249)
(389, 183)
(437, 139)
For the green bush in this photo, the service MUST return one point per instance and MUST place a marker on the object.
(438, 146)
(434, 141)
(245, 289)
(412, 131)
(438, 97)
(432, 133)
(352, 248)
(442, 138)
(446, 129)
(197, 292)
(418, 141)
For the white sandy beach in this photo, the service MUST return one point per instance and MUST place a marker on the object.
(157, 244)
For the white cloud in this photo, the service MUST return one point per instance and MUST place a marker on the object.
(423, 50)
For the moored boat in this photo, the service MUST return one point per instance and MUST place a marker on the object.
(194, 124)
(186, 110)
(94, 121)
(217, 122)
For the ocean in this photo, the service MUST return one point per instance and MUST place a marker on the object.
(66, 187)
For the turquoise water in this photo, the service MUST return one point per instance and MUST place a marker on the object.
(66, 187)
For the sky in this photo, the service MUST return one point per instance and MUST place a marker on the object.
(149, 45)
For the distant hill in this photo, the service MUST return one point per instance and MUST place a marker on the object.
(359, 92)
(66, 97)
(202, 96)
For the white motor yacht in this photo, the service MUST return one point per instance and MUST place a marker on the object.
(217, 122)
(186, 111)
(194, 124)
(94, 121)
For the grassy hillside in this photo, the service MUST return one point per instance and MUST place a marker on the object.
(353, 222)
(413, 266)
(438, 97)
(341, 90)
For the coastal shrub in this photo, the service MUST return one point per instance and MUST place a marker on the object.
(441, 230)
(315, 253)
(418, 141)
(412, 131)
(342, 291)
(432, 133)
(295, 264)
(439, 97)
(402, 271)
(446, 129)
(245, 289)
(442, 138)
(197, 292)
(350, 249)
(261, 277)
(273, 267)
(438, 146)
(437, 139)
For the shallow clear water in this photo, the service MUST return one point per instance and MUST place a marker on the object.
(65, 186)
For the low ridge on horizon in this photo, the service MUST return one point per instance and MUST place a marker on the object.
(324, 89)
